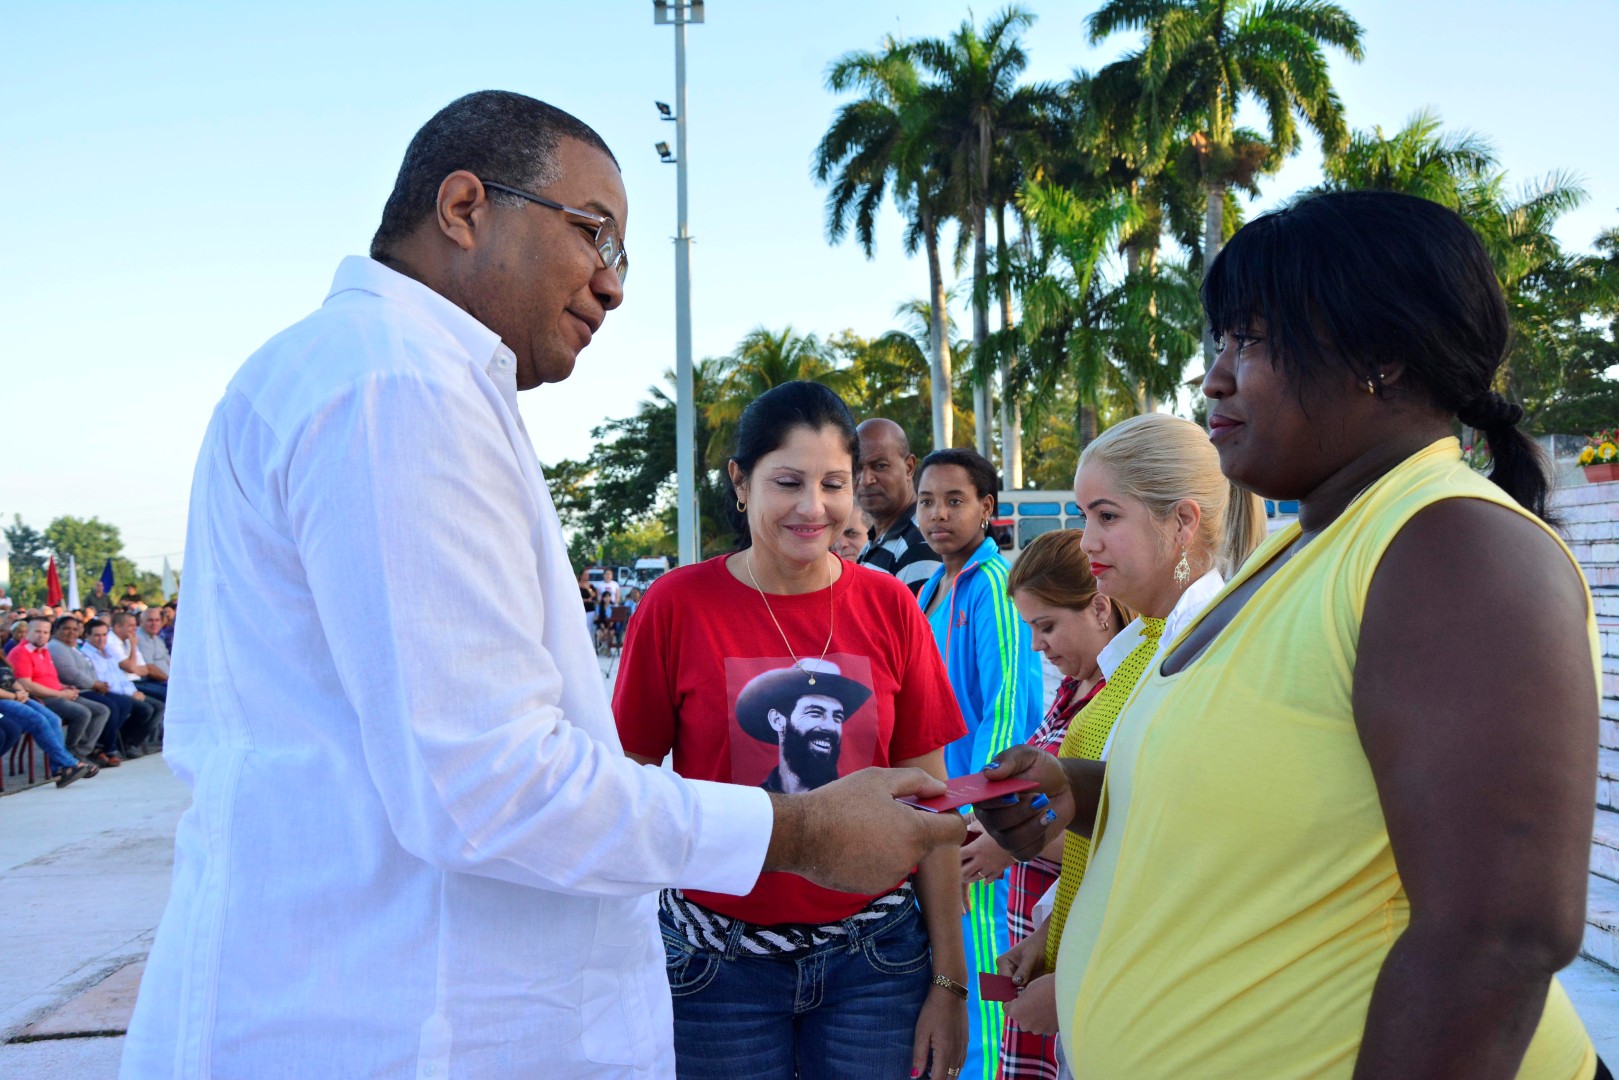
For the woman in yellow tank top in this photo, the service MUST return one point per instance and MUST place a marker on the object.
(1345, 822)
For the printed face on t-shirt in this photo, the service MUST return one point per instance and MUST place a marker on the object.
(798, 737)
(811, 739)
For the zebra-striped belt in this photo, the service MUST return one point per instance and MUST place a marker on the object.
(708, 929)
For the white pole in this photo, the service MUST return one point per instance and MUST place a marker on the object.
(685, 409)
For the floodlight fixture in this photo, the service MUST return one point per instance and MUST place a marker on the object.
(663, 153)
(662, 16)
(664, 110)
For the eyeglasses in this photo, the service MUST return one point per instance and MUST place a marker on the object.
(609, 248)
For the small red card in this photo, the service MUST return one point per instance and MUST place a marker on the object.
(972, 788)
(996, 987)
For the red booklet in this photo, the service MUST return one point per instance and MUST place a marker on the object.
(993, 987)
(972, 788)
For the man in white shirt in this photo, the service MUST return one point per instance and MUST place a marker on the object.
(106, 654)
(395, 866)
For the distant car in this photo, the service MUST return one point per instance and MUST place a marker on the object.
(596, 575)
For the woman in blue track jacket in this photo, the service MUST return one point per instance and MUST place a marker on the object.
(996, 676)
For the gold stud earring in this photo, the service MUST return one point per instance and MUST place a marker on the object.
(1183, 571)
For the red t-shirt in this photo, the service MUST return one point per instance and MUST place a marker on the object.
(705, 673)
(36, 664)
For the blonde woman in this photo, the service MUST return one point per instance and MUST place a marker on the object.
(1070, 622)
(1163, 530)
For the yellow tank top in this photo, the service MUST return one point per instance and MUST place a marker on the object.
(1244, 943)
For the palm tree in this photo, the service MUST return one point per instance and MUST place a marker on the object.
(976, 112)
(762, 360)
(1420, 159)
(1063, 289)
(876, 144)
(1547, 290)
(917, 321)
(1202, 57)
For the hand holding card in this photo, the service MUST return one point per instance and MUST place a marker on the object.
(972, 788)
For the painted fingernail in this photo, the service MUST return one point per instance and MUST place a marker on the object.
(1007, 800)
(1040, 801)
(1051, 815)
(991, 765)
(915, 1073)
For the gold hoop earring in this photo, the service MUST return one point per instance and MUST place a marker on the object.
(1183, 571)
(741, 507)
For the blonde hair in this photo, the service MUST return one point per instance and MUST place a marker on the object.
(1054, 568)
(1161, 460)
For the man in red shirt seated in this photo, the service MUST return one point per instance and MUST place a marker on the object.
(36, 673)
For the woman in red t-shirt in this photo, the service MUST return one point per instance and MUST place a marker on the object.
(1071, 622)
(785, 667)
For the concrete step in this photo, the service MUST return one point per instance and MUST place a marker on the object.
(1595, 551)
(1602, 922)
(1608, 779)
(1591, 532)
(1605, 845)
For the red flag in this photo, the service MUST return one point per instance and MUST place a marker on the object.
(53, 585)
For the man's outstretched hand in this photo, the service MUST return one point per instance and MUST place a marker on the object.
(850, 835)
(1023, 824)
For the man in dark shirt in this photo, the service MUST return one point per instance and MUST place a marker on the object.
(886, 490)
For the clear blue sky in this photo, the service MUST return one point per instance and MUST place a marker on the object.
(183, 178)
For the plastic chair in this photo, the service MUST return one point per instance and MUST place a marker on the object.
(24, 750)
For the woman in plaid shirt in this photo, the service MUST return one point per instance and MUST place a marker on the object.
(1052, 588)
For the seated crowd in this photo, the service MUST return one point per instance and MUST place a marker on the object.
(88, 685)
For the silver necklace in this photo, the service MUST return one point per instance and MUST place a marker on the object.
(832, 614)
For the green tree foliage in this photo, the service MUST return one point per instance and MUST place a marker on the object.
(882, 142)
(89, 541)
(1202, 58)
(27, 546)
(1562, 305)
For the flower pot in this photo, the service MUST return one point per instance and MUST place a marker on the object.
(1602, 474)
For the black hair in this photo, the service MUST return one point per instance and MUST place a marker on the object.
(92, 624)
(1374, 278)
(979, 469)
(496, 135)
(61, 621)
(770, 418)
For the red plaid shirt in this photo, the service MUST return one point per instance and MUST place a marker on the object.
(1025, 1055)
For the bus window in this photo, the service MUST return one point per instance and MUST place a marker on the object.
(1001, 530)
(1029, 529)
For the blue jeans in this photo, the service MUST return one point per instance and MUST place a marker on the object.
(41, 723)
(846, 1009)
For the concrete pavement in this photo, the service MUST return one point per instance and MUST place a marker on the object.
(84, 874)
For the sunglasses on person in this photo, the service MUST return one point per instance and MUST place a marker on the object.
(609, 248)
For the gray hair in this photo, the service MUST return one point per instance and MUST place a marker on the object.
(497, 136)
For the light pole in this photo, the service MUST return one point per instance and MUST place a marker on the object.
(681, 12)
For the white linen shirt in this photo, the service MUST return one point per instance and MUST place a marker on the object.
(105, 664)
(408, 854)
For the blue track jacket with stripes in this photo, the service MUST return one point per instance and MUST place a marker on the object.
(993, 668)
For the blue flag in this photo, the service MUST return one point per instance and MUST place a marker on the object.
(106, 578)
